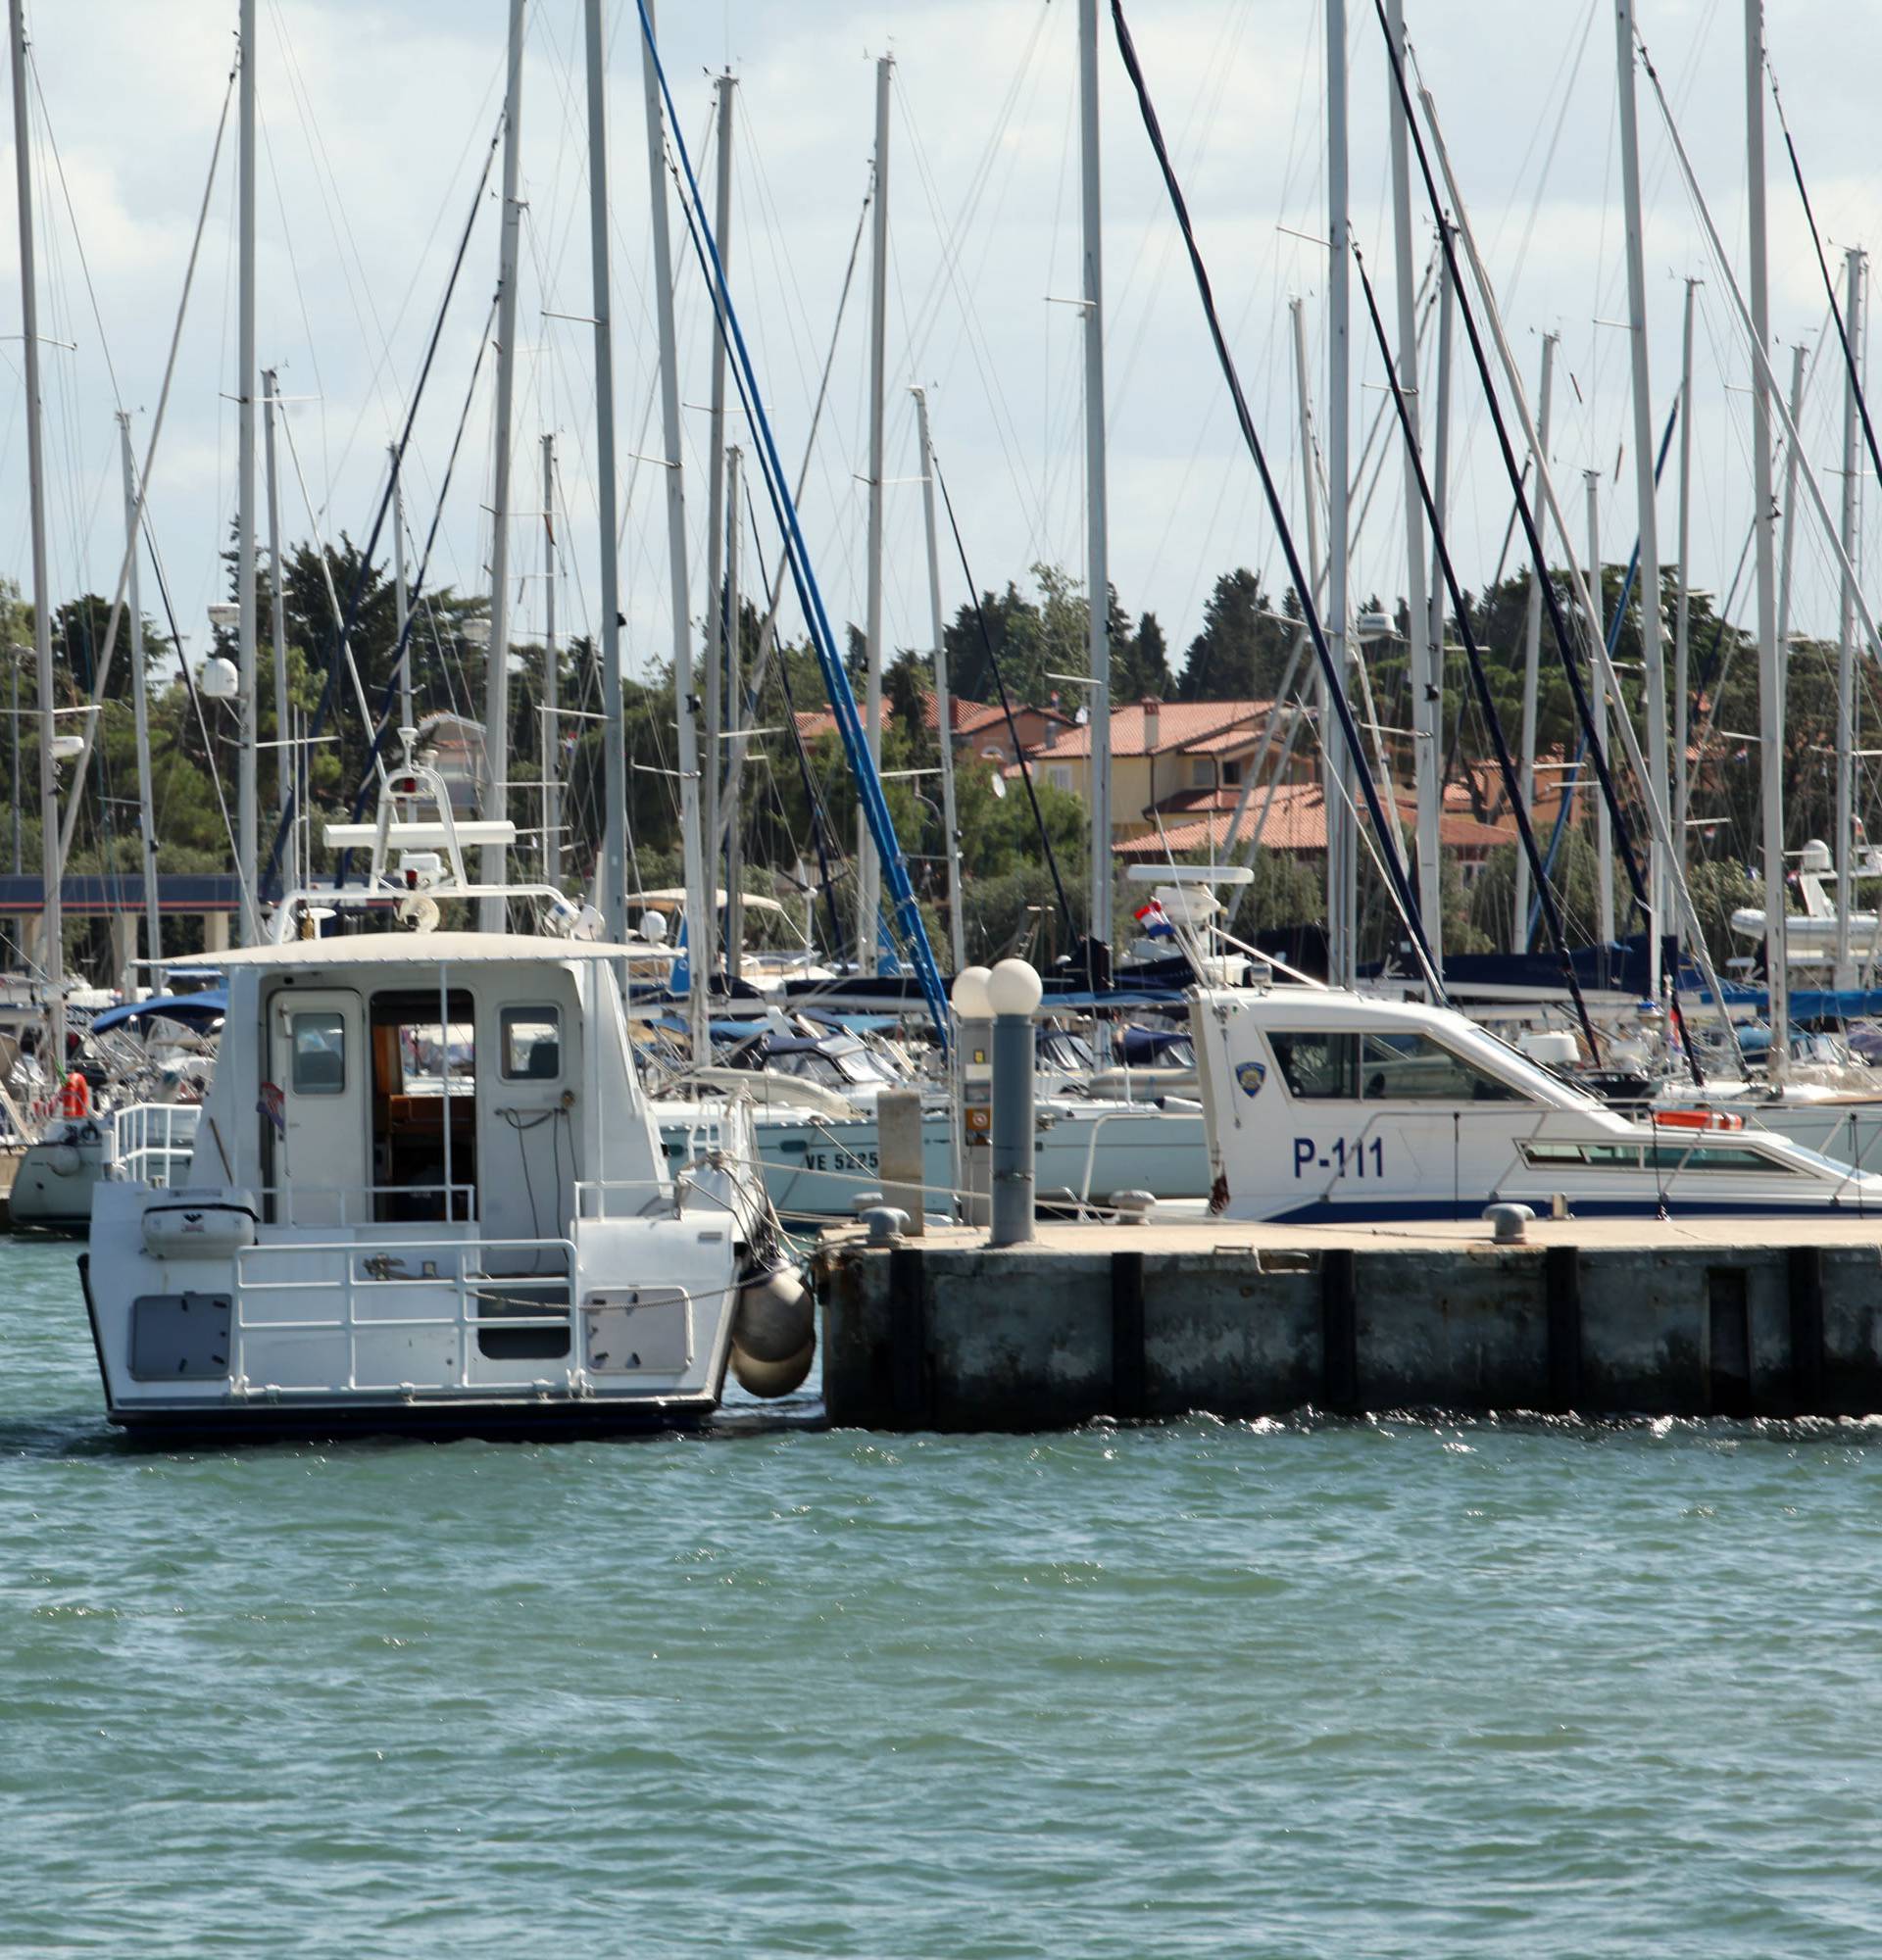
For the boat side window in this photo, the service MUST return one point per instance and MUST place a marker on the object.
(532, 1043)
(1317, 1067)
(319, 1042)
(1411, 1067)
(1541, 1152)
(1722, 1157)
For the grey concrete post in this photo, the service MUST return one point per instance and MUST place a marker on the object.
(898, 1147)
(1013, 1128)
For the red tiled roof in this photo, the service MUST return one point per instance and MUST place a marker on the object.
(1295, 823)
(1175, 724)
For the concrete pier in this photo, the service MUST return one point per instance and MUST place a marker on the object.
(1776, 1317)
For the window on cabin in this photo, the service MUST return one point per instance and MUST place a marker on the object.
(318, 1050)
(1317, 1067)
(532, 1043)
(1411, 1067)
(1231, 773)
(1201, 773)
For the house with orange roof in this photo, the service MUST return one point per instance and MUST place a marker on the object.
(1168, 759)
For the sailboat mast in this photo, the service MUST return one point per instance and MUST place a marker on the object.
(492, 865)
(401, 599)
(1425, 653)
(613, 876)
(1852, 264)
(1683, 613)
(1604, 816)
(277, 599)
(247, 829)
(734, 716)
(140, 703)
(1770, 677)
(943, 711)
(550, 738)
(869, 884)
(1343, 842)
(1653, 625)
(1532, 670)
(1786, 536)
(692, 855)
(1433, 919)
(716, 638)
(1096, 514)
(52, 951)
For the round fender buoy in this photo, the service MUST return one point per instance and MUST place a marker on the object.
(770, 1379)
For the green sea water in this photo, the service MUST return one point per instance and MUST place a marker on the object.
(1395, 1687)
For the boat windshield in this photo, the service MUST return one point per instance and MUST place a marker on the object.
(1407, 1067)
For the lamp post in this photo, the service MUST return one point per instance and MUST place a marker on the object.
(974, 1104)
(1013, 990)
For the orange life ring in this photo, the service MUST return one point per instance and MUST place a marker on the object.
(75, 1095)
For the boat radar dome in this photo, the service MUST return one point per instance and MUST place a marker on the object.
(219, 679)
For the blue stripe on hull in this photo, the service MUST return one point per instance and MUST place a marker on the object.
(1327, 1212)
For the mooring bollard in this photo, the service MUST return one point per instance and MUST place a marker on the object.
(973, 1095)
(898, 1149)
(1012, 992)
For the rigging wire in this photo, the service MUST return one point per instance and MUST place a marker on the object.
(1406, 898)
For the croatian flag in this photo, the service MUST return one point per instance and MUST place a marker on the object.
(1155, 920)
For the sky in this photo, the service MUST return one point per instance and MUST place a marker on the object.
(376, 117)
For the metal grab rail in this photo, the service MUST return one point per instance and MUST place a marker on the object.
(283, 1197)
(467, 1282)
(149, 1139)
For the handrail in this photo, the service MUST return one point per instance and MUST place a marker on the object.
(464, 1283)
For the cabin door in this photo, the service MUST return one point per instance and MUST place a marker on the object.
(318, 1081)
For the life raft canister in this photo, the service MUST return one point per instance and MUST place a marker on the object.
(1698, 1119)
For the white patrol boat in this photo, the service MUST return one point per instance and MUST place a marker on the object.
(426, 1193)
(1323, 1104)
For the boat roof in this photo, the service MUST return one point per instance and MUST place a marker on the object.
(415, 948)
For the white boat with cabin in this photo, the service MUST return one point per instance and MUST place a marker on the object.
(427, 1194)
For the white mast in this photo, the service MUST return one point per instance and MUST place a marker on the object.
(496, 714)
(1598, 689)
(1426, 653)
(1097, 492)
(870, 882)
(1787, 537)
(52, 951)
(735, 719)
(401, 600)
(277, 601)
(1770, 676)
(140, 703)
(549, 740)
(943, 715)
(1653, 624)
(717, 639)
(1852, 264)
(1342, 817)
(1683, 615)
(1433, 678)
(245, 799)
(1310, 475)
(698, 902)
(1532, 672)
(612, 879)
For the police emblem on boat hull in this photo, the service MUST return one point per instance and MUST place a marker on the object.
(1251, 1075)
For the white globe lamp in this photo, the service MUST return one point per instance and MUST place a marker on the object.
(971, 1002)
(1013, 987)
